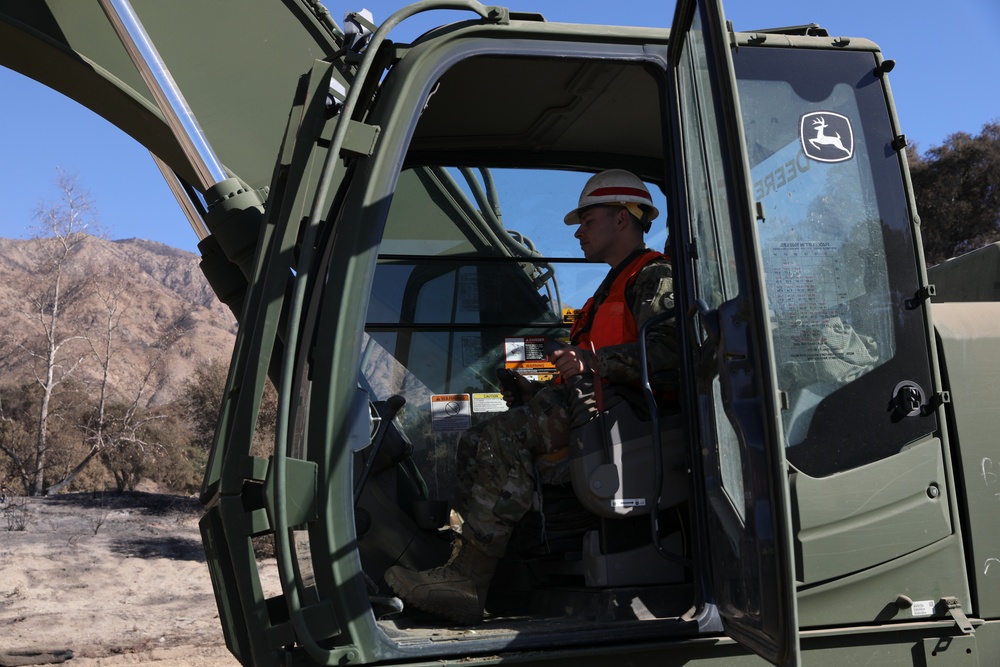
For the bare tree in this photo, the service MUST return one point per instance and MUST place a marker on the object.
(113, 293)
(74, 328)
(128, 440)
(202, 401)
(62, 227)
(130, 445)
(12, 435)
(119, 428)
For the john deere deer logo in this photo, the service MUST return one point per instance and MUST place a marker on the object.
(827, 136)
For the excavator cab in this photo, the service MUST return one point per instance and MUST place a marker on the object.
(476, 272)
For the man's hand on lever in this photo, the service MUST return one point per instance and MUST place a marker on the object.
(569, 360)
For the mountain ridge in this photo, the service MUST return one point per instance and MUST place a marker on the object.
(168, 322)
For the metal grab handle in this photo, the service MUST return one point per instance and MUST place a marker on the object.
(706, 350)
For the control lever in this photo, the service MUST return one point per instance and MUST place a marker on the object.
(508, 380)
(589, 378)
(551, 346)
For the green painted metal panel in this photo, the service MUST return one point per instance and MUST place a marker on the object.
(974, 276)
(872, 596)
(869, 515)
(970, 343)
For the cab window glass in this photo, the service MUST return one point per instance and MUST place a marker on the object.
(836, 251)
(714, 260)
(464, 286)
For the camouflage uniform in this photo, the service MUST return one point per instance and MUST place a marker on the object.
(502, 462)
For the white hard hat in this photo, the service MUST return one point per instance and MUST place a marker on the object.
(616, 187)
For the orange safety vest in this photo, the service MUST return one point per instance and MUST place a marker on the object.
(612, 322)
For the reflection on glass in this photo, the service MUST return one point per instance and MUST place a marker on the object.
(821, 244)
(714, 269)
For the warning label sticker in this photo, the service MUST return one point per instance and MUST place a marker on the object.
(488, 403)
(527, 353)
(571, 315)
(451, 412)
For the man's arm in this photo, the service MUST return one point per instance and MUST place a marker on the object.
(652, 293)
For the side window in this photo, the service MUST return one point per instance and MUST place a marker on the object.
(837, 252)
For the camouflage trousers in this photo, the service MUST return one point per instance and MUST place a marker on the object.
(503, 462)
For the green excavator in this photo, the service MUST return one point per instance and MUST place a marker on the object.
(384, 218)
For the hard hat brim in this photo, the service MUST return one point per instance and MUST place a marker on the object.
(573, 217)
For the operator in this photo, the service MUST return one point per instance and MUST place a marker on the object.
(502, 463)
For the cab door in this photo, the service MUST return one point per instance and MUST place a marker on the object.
(744, 506)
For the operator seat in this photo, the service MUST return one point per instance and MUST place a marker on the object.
(623, 467)
(613, 469)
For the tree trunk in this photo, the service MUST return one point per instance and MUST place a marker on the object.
(41, 442)
(68, 479)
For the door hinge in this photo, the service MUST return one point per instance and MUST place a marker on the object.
(954, 608)
(936, 401)
(923, 294)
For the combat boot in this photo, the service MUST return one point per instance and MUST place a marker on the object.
(456, 590)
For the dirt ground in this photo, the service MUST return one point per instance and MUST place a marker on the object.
(109, 580)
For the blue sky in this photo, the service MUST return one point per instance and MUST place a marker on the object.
(944, 82)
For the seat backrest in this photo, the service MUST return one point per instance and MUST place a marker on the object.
(612, 465)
